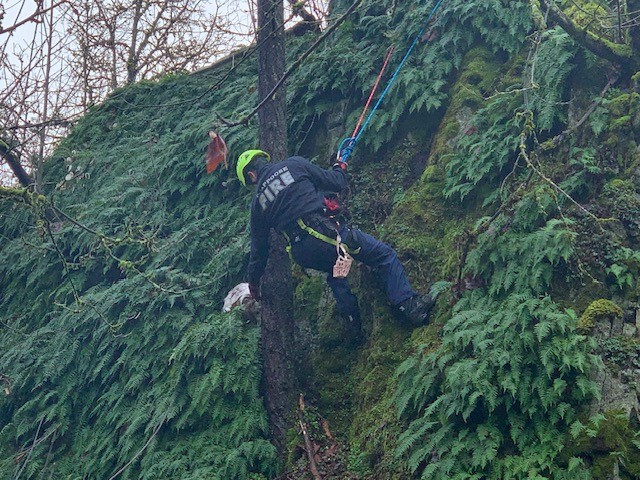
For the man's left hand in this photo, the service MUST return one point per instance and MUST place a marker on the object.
(341, 165)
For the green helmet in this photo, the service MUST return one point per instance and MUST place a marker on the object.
(245, 159)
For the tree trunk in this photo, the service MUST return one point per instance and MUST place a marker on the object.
(132, 57)
(39, 163)
(634, 6)
(277, 289)
(14, 163)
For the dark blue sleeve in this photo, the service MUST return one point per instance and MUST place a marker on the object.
(332, 180)
(259, 248)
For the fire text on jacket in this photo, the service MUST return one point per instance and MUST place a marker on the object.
(273, 185)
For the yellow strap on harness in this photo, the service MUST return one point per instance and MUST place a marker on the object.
(324, 238)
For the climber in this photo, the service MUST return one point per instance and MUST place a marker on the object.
(290, 197)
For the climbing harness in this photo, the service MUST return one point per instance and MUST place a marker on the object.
(320, 236)
(344, 259)
(348, 144)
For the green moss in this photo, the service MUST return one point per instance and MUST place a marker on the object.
(618, 122)
(623, 122)
(479, 72)
(625, 104)
(583, 13)
(23, 195)
(373, 200)
(619, 49)
(375, 428)
(607, 441)
(598, 310)
(621, 185)
(425, 227)
(620, 352)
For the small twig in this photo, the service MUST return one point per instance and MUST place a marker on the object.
(80, 225)
(47, 123)
(556, 186)
(126, 465)
(46, 462)
(555, 141)
(313, 468)
(472, 235)
(35, 440)
(63, 260)
(32, 18)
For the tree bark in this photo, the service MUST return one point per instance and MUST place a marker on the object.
(132, 58)
(14, 164)
(277, 285)
(623, 56)
(634, 31)
(39, 163)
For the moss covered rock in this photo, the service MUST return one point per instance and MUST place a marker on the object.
(597, 311)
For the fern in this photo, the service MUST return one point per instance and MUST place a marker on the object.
(515, 356)
(553, 65)
(102, 365)
(483, 158)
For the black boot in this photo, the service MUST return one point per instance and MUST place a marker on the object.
(416, 309)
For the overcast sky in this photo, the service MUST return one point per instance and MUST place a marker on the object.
(238, 11)
(20, 39)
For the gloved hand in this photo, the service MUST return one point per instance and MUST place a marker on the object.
(254, 290)
(341, 165)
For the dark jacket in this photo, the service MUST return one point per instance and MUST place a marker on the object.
(286, 191)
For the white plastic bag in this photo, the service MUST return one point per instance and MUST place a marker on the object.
(238, 295)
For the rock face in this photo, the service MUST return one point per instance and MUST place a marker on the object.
(616, 414)
(619, 379)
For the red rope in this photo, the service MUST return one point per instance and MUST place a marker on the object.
(373, 91)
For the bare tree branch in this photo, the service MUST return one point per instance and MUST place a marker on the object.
(39, 161)
(298, 8)
(293, 68)
(32, 18)
(54, 122)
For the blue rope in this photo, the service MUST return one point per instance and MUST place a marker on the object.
(344, 152)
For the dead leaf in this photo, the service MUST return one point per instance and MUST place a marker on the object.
(216, 152)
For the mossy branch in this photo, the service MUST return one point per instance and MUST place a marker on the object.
(23, 195)
(621, 55)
